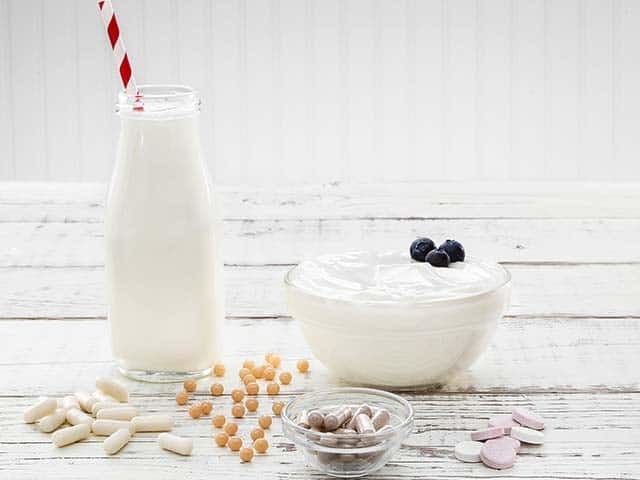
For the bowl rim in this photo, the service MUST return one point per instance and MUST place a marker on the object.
(290, 284)
(289, 422)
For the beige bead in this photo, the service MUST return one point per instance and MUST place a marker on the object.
(303, 365)
(273, 389)
(243, 371)
(277, 407)
(257, 433)
(246, 454)
(269, 373)
(219, 370)
(231, 428)
(258, 372)
(206, 407)
(252, 404)
(285, 378)
(238, 410)
(249, 364)
(182, 398)
(218, 421)
(267, 356)
(195, 411)
(221, 439)
(237, 395)
(252, 388)
(261, 445)
(235, 444)
(265, 421)
(217, 389)
(247, 379)
(190, 385)
(275, 360)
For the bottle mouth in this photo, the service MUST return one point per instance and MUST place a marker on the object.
(159, 100)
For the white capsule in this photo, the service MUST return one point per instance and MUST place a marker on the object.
(381, 418)
(116, 441)
(100, 396)
(315, 418)
(176, 444)
(118, 413)
(303, 420)
(77, 417)
(527, 435)
(52, 421)
(364, 408)
(107, 427)
(113, 387)
(101, 405)
(70, 401)
(44, 407)
(364, 424)
(336, 418)
(85, 400)
(152, 423)
(69, 435)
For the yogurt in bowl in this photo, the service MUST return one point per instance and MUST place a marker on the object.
(382, 319)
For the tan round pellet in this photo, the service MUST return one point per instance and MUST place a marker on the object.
(252, 404)
(246, 454)
(243, 371)
(274, 360)
(217, 389)
(277, 407)
(258, 371)
(257, 433)
(219, 370)
(190, 385)
(249, 364)
(261, 445)
(235, 444)
(267, 356)
(285, 378)
(218, 421)
(303, 365)
(252, 388)
(182, 398)
(247, 379)
(269, 373)
(265, 421)
(221, 439)
(195, 410)
(231, 428)
(238, 410)
(206, 407)
(237, 395)
(273, 388)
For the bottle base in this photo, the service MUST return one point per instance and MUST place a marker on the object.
(161, 376)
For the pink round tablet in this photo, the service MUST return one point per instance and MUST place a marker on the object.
(512, 442)
(503, 420)
(487, 433)
(498, 454)
(527, 418)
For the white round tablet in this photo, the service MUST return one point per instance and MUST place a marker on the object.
(468, 451)
(527, 435)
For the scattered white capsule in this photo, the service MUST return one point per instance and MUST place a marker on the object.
(117, 413)
(113, 387)
(107, 427)
(336, 418)
(101, 405)
(315, 418)
(468, 451)
(364, 408)
(70, 401)
(100, 396)
(69, 435)
(364, 424)
(381, 418)
(44, 407)
(85, 400)
(52, 421)
(176, 444)
(152, 423)
(116, 441)
(77, 417)
(527, 435)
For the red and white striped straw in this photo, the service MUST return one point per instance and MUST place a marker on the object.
(117, 45)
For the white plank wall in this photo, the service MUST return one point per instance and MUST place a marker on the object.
(311, 91)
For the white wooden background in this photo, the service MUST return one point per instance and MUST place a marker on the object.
(315, 91)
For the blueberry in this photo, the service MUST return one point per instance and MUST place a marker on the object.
(454, 249)
(420, 247)
(438, 258)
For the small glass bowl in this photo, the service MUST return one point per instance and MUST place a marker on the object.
(348, 455)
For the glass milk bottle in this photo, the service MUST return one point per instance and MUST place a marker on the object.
(163, 262)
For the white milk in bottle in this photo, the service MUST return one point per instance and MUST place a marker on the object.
(163, 262)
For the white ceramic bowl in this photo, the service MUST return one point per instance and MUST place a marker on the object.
(398, 344)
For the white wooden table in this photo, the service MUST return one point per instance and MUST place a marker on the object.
(569, 346)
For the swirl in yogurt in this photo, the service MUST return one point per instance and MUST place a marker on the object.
(393, 277)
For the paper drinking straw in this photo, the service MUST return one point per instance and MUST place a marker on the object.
(117, 45)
